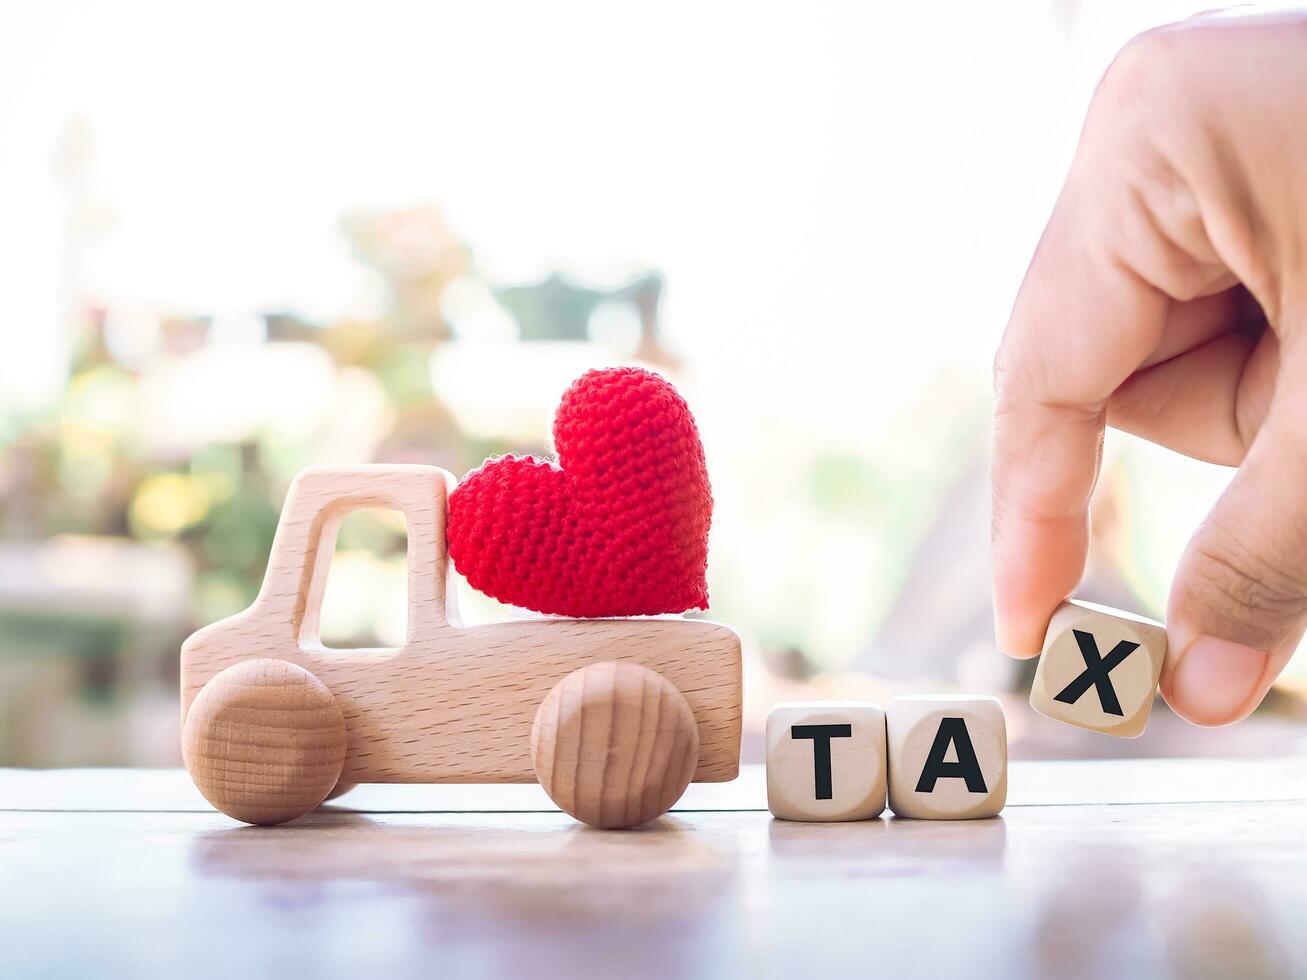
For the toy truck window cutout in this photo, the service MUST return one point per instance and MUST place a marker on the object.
(613, 716)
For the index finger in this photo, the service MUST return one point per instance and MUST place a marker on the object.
(1082, 323)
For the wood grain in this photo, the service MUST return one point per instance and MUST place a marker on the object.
(1133, 681)
(914, 724)
(614, 745)
(1096, 869)
(856, 763)
(264, 741)
(451, 704)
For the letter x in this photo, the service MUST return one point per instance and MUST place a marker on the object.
(1096, 671)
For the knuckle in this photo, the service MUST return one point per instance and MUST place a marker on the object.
(1143, 69)
(1252, 587)
(1025, 371)
(1009, 385)
(997, 370)
(1155, 93)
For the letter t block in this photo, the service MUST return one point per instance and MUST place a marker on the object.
(826, 761)
(1099, 669)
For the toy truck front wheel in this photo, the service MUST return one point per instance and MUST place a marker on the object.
(615, 744)
(264, 741)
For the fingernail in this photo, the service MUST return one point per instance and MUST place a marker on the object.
(1016, 641)
(1214, 681)
(1012, 633)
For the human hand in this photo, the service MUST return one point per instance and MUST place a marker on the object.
(1168, 298)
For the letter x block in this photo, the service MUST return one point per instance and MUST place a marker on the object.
(947, 757)
(1099, 669)
(826, 761)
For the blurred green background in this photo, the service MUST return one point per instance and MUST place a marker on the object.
(236, 246)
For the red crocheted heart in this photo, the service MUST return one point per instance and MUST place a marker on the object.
(619, 527)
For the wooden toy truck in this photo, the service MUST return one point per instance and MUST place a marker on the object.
(614, 717)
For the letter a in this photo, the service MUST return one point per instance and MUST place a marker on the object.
(952, 731)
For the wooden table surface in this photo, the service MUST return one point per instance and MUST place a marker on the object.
(1114, 869)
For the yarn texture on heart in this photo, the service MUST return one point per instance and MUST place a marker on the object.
(617, 527)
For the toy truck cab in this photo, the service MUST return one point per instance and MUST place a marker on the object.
(613, 716)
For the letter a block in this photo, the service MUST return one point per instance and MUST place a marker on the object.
(826, 761)
(947, 757)
(1099, 669)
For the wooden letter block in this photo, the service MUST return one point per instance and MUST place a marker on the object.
(947, 757)
(826, 761)
(1099, 669)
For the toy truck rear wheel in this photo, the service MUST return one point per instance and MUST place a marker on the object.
(614, 744)
(264, 741)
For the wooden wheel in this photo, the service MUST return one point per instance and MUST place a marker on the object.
(614, 744)
(264, 741)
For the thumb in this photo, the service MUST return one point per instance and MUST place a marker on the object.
(1238, 604)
